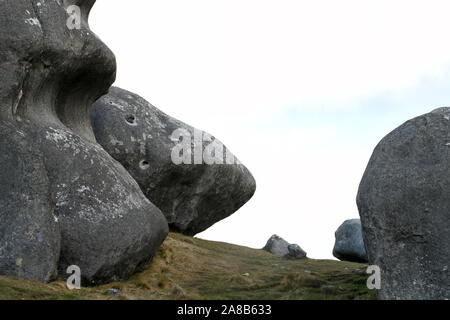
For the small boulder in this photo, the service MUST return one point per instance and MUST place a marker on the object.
(349, 245)
(281, 248)
(277, 246)
(114, 291)
(295, 252)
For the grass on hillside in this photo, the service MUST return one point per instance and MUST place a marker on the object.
(190, 268)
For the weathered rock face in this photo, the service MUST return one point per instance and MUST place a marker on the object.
(29, 234)
(404, 204)
(349, 245)
(193, 194)
(90, 211)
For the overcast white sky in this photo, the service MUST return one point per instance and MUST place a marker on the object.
(300, 91)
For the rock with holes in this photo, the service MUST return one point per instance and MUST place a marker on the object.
(404, 204)
(188, 174)
(70, 202)
(349, 244)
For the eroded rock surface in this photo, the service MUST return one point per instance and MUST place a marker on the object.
(404, 204)
(92, 212)
(194, 194)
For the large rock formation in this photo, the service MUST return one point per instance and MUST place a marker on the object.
(404, 204)
(349, 245)
(194, 187)
(64, 200)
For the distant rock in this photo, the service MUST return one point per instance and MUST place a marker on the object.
(295, 252)
(280, 247)
(208, 185)
(277, 246)
(64, 200)
(349, 245)
(404, 204)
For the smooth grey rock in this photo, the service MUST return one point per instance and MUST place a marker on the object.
(49, 78)
(404, 204)
(192, 196)
(280, 247)
(349, 245)
(295, 252)
(277, 246)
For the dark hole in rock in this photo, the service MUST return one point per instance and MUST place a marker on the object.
(131, 119)
(144, 165)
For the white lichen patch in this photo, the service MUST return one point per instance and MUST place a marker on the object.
(83, 189)
(65, 139)
(114, 141)
(153, 119)
(33, 22)
(115, 105)
(61, 195)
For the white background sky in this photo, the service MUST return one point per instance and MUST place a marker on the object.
(300, 91)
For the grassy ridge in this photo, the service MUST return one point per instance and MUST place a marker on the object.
(190, 268)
